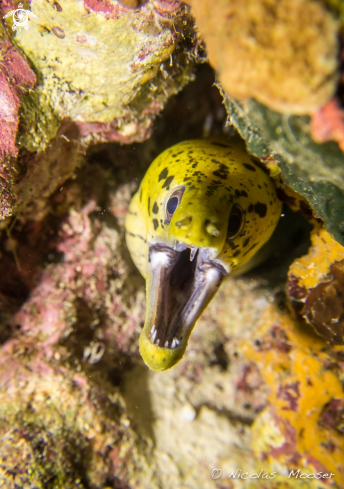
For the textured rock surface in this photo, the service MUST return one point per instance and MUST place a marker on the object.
(257, 390)
(58, 431)
(316, 286)
(104, 71)
(59, 427)
(16, 78)
(103, 66)
(282, 53)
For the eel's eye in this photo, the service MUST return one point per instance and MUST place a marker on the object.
(236, 222)
(172, 203)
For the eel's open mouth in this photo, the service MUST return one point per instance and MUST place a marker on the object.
(181, 283)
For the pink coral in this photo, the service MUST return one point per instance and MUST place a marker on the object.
(328, 123)
(16, 78)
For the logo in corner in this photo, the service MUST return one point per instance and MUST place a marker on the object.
(20, 18)
(216, 473)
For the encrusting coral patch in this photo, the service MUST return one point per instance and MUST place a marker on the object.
(104, 71)
(282, 53)
(316, 286)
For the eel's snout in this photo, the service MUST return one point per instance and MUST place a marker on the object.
(205, 228)
(180, 284)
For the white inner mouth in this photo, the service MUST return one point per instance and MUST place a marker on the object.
(183, 281)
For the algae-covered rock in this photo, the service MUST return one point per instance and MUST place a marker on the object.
(103, 66)
(58, 431)
(16, 78)
(63, 422)
(104, 71)
(316, 283)
(315, 171)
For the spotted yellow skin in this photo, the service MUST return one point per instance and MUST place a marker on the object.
(215, 175)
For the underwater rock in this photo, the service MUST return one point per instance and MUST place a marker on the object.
(316, 286)
(77, 301)
(108, 74)
(58, 430)
(16, 78)
(104, 72)
(290, 432)
(282, 53)
(63, 422)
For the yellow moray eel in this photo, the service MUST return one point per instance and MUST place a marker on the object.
(202, 211)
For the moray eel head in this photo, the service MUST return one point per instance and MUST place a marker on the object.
(203, 210)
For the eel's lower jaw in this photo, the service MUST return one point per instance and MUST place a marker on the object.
(180, 284)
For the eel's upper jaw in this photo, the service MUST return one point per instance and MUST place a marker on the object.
(180, 284)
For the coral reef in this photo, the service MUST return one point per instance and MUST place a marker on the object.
(16, 78)
(261, 384)
(104, 71)
(109, 72)
(282, 53)
(58, 428)
(316, 283)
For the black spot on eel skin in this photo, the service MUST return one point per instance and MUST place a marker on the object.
(163, 174)
(239, 193)
(249, 167)
(260, 209)
(222, 172)
(168, 181)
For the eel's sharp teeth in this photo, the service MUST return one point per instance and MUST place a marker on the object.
(158, 342)
(166, 344)
(152, 330)
(153, 336)
(175, 343)
(193, 251)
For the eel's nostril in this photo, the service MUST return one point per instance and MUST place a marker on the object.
(184, 223)
(211, 229)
